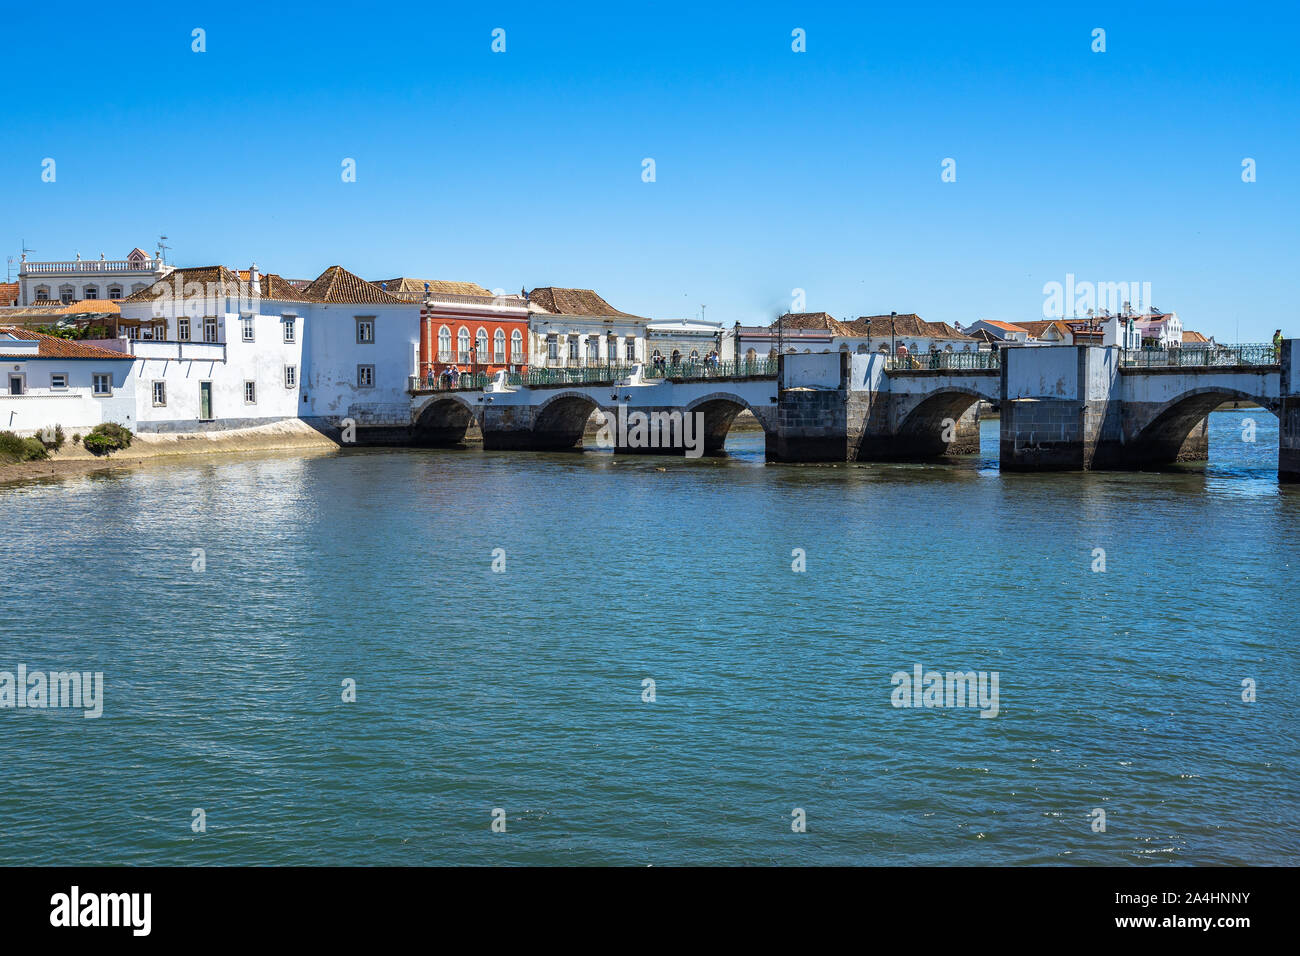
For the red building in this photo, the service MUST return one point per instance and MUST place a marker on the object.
(466, 327)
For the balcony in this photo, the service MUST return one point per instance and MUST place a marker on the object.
(90, 267)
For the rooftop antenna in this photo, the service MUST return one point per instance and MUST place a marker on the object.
(162, 248)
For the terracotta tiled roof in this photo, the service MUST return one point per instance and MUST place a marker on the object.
(1039, 328)
(273, 286)
(908, 325)
(1194, 338)
(9, 293)
(92, 306)
(1004, 326)
(812, 321)
(213, 280)
(573, 302)
(336, 284)
(406, 284)
(54, 347)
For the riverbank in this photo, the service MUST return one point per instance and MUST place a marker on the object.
(71, 460)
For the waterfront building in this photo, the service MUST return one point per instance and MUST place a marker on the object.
(573, 328)
(49, 381)
(995, 330)
(464, 325)
(910, 332)
(682, 341)
(242, 348)
(79, 279)
(794, 332)
(1163, 330)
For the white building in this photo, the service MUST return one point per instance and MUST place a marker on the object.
(244, 349)
(682, 341)
(574, 328)
(78, 279)
(51, 381)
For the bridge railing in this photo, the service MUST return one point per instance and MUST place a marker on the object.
(1202, 357)
(464, 382)
(920, 361)
(698, 371)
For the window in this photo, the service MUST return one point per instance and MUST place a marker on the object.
(42, 294)
(462, 343)
(250, 393)
(573, 348)
(365, 376)
(366, 330)
(290, 332)
(183, 330)
(695, 354)
(516, 347)
(59, 380)
(91, 292)
(291, 376)
(593, 349)
(102, 383)
(17, 384)
(481, 346)
(552, 348)
(132, 331)
(146, 331)
(444, 344)
(65, 294)
(631, 349)
(159, 394)
(115, 292)
(247, 328)
(499, 347)
(210, 329)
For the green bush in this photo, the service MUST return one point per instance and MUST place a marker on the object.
(108, 437)
(51, 438)
(14, 448)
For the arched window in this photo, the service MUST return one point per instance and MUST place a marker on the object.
(844, 346)
(695, 355)
(499, 346)
(516, 347)
(481, 346)
(444, 344)
(65, 293)
(862, 350)
(462, 343)
(42, 293)
(677, 357)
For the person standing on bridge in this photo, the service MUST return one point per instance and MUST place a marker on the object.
(1277, 346)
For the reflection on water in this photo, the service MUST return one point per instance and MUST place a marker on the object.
(522, 689)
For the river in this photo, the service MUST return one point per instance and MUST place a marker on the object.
(524, 689)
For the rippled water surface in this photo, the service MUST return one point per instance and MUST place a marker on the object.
(522, 690)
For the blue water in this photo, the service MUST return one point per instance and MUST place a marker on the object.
(521, 690)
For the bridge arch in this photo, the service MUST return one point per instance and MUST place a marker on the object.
(939, 424)
(559, 421)
(1177, 429)
(442, 420)
(720, 410)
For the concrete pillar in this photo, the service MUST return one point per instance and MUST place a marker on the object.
(1057, 407)
(1288, 414)
(812, 418)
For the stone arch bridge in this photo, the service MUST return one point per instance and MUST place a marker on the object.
(1062, 407)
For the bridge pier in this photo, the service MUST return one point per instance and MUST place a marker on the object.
(1288, 414)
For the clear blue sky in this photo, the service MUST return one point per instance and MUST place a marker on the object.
(775, 170)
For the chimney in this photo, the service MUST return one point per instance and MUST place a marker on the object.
(254, 281)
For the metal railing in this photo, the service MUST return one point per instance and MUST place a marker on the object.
(1202, 356)
(696, 371)
(921, 361)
